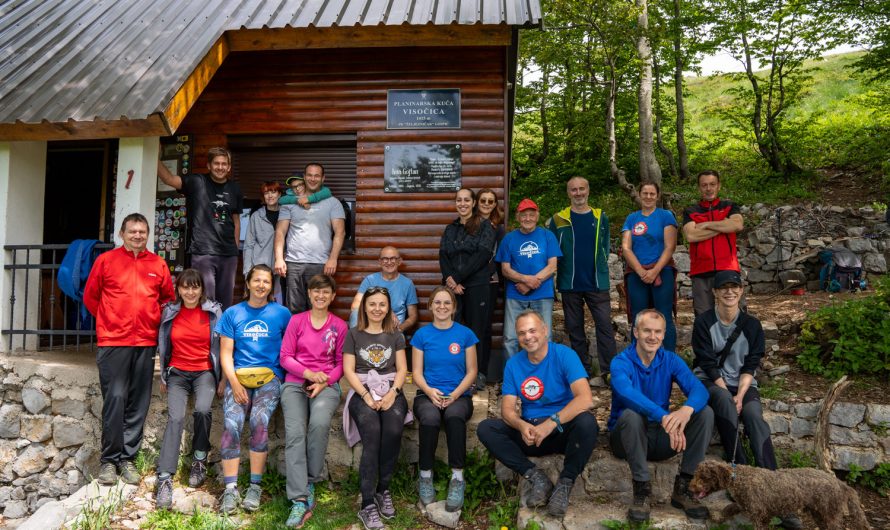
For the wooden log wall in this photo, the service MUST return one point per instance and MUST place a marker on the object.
(344, 90)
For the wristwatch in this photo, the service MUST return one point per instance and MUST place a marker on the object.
(558, 423)
(397, 389)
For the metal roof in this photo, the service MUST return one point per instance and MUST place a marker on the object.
(88, 60)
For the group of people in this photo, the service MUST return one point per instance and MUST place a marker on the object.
(258, 354)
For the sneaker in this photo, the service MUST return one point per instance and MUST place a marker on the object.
(537, 489)
(299, 514)
(164, 493)
(426, 490)
(681, 498)
(790, 521)
(310, 500)
(559, 500)
(107, 474)
(480, 381)
(384, 505)
(638, 512)
(454, 501)
(251, 501)
(370, 518)
(230, 501)
(129, 473)
(198, 473)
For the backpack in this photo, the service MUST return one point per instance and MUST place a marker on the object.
(841, 270)
(74, 271)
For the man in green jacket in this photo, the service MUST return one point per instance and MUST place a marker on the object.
(582, 274)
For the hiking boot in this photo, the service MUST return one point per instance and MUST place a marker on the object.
(251, 501)
(790, 521)
(198, 473)
(559, 500)
(107, 474)
(538, 488)
(681, 498)
(230, 501)
(454, 501)
(129, 473)
(164, 493)
(638, 512)
(310, 500)
(370, 518)
(384, 505)
(299, 514)
(426, 490)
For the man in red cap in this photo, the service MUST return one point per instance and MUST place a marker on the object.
(528, 260)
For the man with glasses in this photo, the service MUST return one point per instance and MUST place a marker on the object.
(728, 345)
(402, 293)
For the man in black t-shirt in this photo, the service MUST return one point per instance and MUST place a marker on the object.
(214, 208)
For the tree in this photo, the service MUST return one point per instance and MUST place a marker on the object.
(649, 168)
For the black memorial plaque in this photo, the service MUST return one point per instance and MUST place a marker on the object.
(423, 109)
(420, 168)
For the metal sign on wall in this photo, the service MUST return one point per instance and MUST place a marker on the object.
(437, 108)
(421, 168)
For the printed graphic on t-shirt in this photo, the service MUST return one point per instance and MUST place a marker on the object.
(220, 208)
(529, 249)
(330, 338)
(256, 330)
(375, 354)
(454, 348)
(532, 388)
(640, 228)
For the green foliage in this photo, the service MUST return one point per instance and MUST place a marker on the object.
(503, 514)
(96, 512)
(795, 459)
(773, 389)
(146, 459)
(533, 525)
(852, 337)
(877, 479)
(272, 482)
(614, 524)
(198, 520)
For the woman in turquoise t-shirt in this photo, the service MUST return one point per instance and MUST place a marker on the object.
(649, 238)
(444, 370)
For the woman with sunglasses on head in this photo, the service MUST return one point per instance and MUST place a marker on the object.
(487, 208)
(312, 357)
(189, 352)
(374, 364)
(250, 339)
(444, 370)
(465, 253)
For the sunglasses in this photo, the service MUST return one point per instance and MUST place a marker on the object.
(488, 201)
(377, 290)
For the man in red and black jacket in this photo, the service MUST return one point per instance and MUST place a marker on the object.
(125, 291)
(710, 227)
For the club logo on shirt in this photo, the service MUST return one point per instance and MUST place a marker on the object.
(454, 348)
(529, 249)
(330, 338)
(376, 355)
(532, 389)
(640, 228)
(256, 330)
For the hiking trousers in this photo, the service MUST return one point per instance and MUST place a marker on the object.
(125, 377)
(756, 429)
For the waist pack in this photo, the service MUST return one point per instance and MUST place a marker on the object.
(254, 377)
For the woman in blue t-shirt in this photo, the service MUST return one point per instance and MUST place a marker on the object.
(444, 359)
(250, 342)
(649, 238)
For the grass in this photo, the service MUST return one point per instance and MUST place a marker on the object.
(773, 389)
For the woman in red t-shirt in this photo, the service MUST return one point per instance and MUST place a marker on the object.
(189, 351)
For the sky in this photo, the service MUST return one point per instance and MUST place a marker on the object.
(724, 63)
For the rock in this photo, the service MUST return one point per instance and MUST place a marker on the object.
(846, 414)
(58, 461)
(878, 414)
(681, 259)
(801, 427)
(770, 330)
(779, 406)
(752, 261)
(815, 243)
(86, 459)
(784, 369)
(34, 399)
(758, 276)
(778, 255)
(189, 502)
(845, 456)
(32, 460)
(70, 407)
(855, 231)
(859, 245)
(15, 509)
(597, 382)
(764, 288)
(778, 424)
(437, 513)
(10, 420)
(874, 263)
(36, 428)
(807, 410)
(73, 477)
(68, 432)
(843, 436)
(540, 517)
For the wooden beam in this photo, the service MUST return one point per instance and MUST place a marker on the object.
(194, 86)
(368, 37)
(153, 125)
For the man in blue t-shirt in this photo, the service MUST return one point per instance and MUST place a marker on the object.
(549, 381)
(402, 293)
(583, 273)
(528, 260)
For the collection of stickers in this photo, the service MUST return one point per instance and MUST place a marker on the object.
(170, 221)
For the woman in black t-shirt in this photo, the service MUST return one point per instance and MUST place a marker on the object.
(375, 366)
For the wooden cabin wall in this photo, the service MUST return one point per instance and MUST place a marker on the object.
(344, 91)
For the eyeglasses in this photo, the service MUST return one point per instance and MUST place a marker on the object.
(388, 259)
(377, 290)
(730, 287)
(488, 201)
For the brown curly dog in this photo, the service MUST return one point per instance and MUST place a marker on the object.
(763, 494)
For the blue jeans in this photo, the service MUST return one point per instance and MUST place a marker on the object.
(643, 296)
(512, 308)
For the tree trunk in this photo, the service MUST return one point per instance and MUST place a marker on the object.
(649, 168)
(823, 428)
(617, 173)
(682, 156)
(545, 128)
(668, 155)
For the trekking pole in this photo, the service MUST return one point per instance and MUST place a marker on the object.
(735, 447)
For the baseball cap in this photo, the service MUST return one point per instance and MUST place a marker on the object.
(726, 277)
(526, 204)
(290, 179)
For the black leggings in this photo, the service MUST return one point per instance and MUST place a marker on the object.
(431, 417)
(381, 434)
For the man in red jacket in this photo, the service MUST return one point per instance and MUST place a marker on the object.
(125, 291)
(710, 227)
